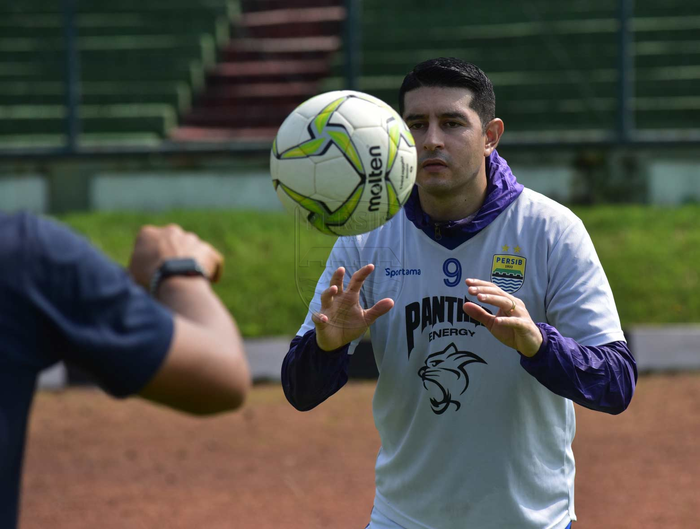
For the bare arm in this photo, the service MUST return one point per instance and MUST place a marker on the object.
(205, 370)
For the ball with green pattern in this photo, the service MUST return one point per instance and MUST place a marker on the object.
(345, 160)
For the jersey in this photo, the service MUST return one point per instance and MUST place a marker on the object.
(61, 299)
(468, 437)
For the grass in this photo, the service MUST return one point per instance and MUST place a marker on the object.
(651, 256)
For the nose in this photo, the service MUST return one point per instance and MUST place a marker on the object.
(421, 371)
(433, 138)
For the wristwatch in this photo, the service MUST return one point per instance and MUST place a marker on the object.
(175, 267)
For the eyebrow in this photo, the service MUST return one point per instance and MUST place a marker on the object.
(455, 115)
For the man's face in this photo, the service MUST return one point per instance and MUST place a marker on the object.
(449, 138)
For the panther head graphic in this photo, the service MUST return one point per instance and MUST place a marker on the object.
(444, 372)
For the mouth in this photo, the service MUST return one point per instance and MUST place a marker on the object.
(433, 164)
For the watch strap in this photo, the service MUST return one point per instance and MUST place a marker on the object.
(187, 267)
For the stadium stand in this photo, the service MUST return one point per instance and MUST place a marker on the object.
(140, 62)
(554, 64)
(276, 61)
(203, 70)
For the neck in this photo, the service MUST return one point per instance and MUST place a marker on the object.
(458, 203)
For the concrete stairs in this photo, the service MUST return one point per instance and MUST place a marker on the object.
(275, 61)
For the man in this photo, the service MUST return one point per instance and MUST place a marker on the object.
(63, 300)
(505, 318)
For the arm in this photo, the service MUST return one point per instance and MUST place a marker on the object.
(601, 378)
(311, 375)
(580, 305)
(316, 365)
(205, 370)
(93, 314)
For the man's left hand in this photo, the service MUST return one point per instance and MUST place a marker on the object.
(512, 324)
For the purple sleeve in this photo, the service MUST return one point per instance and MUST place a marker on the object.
(601, 378)
(311, 375)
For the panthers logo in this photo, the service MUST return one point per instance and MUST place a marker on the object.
(445, 371)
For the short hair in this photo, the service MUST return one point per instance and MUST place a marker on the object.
(449, 72)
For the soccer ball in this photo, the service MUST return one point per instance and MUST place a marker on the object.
(345, 160)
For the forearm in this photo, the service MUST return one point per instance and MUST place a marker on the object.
(193, 299)
(601, 378)
(217, 360)
(311, 375)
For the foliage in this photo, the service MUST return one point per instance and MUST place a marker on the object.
(650, 256)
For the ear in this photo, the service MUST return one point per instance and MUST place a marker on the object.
(492, 135)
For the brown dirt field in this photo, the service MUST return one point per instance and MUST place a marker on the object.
(95, 462)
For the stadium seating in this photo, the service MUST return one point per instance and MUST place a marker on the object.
(554, 64)
(201, 70)
(281, 53)
(140, 62)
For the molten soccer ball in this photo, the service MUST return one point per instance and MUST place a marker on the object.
(346, 160)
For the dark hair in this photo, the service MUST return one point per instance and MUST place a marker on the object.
(450, 72)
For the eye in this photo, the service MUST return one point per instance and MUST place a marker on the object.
(452, 124)
(415, 126)
(435, 363)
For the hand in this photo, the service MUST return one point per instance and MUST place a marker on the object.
(512, 325)
(154, 245)
(341, 318)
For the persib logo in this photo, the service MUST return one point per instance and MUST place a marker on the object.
(508, 272)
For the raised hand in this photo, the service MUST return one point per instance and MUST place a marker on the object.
(341, 318)
(512, 325)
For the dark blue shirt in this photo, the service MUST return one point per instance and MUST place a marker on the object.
(61, 299)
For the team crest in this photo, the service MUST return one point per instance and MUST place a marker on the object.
(508, 272)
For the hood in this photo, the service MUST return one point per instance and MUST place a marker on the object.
(501, 190)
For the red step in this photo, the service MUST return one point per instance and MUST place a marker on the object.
(268, 93)
(304, 48)
(224, 134)
(284, 23)
(285, 17)
(248, 6)
(264, 75)
(241, 116)
(266, 72)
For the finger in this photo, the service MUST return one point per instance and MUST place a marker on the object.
(358, 278)
(327, 296)
(319, 319)
(337, 279)
(490, 289)
(473, 282)
(512, 323)
(505, 303)
(380, 308)
(218, 262)
(479, 314)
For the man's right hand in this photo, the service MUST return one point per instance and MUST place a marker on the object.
(341, 318)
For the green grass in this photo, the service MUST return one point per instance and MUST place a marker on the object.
(651, 257)
(258, 285)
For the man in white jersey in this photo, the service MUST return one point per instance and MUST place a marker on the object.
(490, 315)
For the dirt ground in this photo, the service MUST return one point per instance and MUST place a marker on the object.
(94, 462)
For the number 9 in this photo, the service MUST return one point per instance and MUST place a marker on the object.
(455, 276)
